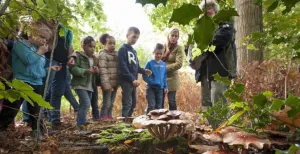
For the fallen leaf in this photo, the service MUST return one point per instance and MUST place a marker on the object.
(127, 141)
(170, 150)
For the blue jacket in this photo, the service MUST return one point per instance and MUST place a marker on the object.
(27, 65)
(158, 78)
(128, 64)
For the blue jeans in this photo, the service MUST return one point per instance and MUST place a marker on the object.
(154, 97)
(55, 91)
(85, 98)
(25, 112)
(68, 93)
(109, 98)
(94, 103)
(128, 99)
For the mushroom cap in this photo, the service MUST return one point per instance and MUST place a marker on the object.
(245, 139)
(178, 122)
(163, 117)
(213, 137)
(155, 122)
(158, 112)
(140, 121)
(174, 114)
(229, 129)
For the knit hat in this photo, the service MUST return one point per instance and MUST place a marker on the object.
(212, 3)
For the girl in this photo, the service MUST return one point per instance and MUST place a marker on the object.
(108, 64)
(84, 71)
(173, 56)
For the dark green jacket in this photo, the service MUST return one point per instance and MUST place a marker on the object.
(80, 77)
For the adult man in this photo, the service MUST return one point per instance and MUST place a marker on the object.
(222, 60)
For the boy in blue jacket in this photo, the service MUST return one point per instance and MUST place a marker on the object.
(157, 81)
(128, 71)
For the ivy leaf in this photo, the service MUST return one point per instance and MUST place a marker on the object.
(292, 101)
(273, 6)
(276, 104)
(203, 38)
(225, 15)
(239, 88)
(2, 94)
(235, 117)
(236, 105)
(185, 14)
(232, 95)
(224, 80)
(38, 99)
(2, 86)
(154, 2)
(260, 99)
(268, 94)
(20, 85)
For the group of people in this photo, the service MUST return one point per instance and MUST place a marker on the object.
(111, 69)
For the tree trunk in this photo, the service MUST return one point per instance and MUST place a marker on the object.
(248, 21)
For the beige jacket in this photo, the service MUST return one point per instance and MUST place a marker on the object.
(108, 66)
(174, 63)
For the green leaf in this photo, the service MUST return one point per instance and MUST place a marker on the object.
(252, 47)
(35, 15)
(190, 39)
(276, 104)
(2, 86)
(26, 98)
(239, 88)
(224, 80)
(273, 6)
(154, 2)
(260, 99)
(12, 95)
(201, 36)
(61, 32)
(212, 48)
(297, 45)
(289, 4)
(236, 105)
(293, 149)
(38, 99)
(292, 101)
(268, 94)
(278, 41)
(2, 94)
(20, 85)
(232, 95)
(235, 117)
(225, 15)
(40, 3)
(185, 14)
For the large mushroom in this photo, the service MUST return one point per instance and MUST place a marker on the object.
(154, 114)
(140, 122)
(157, 128)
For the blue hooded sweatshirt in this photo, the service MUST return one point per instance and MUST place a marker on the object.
(27, 65)
(128, 64)
(158, 78)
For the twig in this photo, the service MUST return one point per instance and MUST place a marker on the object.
(286, 76)
(163, 151)
(48, 76)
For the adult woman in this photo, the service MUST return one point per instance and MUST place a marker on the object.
(173, 56)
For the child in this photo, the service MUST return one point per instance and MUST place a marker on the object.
(108, 66)
(83, 80)
(128, 70)
(29, 66)
(157, 82)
